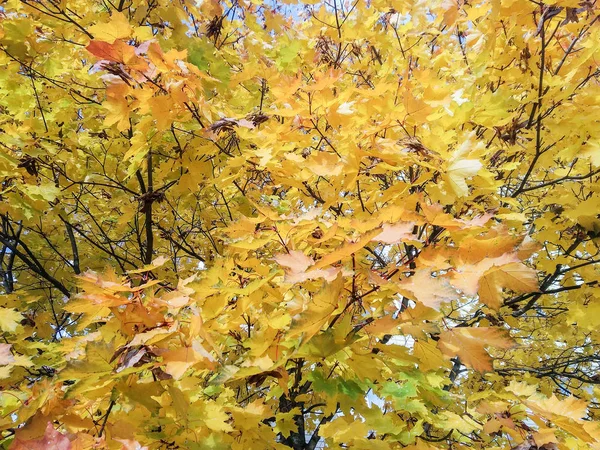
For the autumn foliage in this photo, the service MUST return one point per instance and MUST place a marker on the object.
(262, 225)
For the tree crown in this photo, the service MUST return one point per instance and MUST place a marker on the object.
(341, 224)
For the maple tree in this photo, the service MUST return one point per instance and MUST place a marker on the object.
(341, 224)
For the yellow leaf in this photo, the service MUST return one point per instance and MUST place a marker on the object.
(157, 262)
(9, 319)
(117, 28)
(457, 173)
(319, 311)
(346, 250)
(430, 357)
(324, 164)
(430, 290)
(178, 361)
(467, 277)
(571, 407)
(215, 418)
(521, 388)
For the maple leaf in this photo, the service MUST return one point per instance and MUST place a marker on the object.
(286, 424)
(118, 52)
(6, 356)
(430, 290)
(9, 319)
(570, 407)
(490, 276)
(309, 322)
(295, 260)
(178, 361)
(395, 233)
(515, 276)
(157, 262)
(458, 172)
(129, 444)
(52, 439)
(117, 28)
(469, 345)
(521, 388)
(467, 277)
(346, 250)
(298, 263)
(324, 164)
(345, 108)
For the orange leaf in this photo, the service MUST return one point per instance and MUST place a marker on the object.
(514, 276)
(469, 345)
(119, 52)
